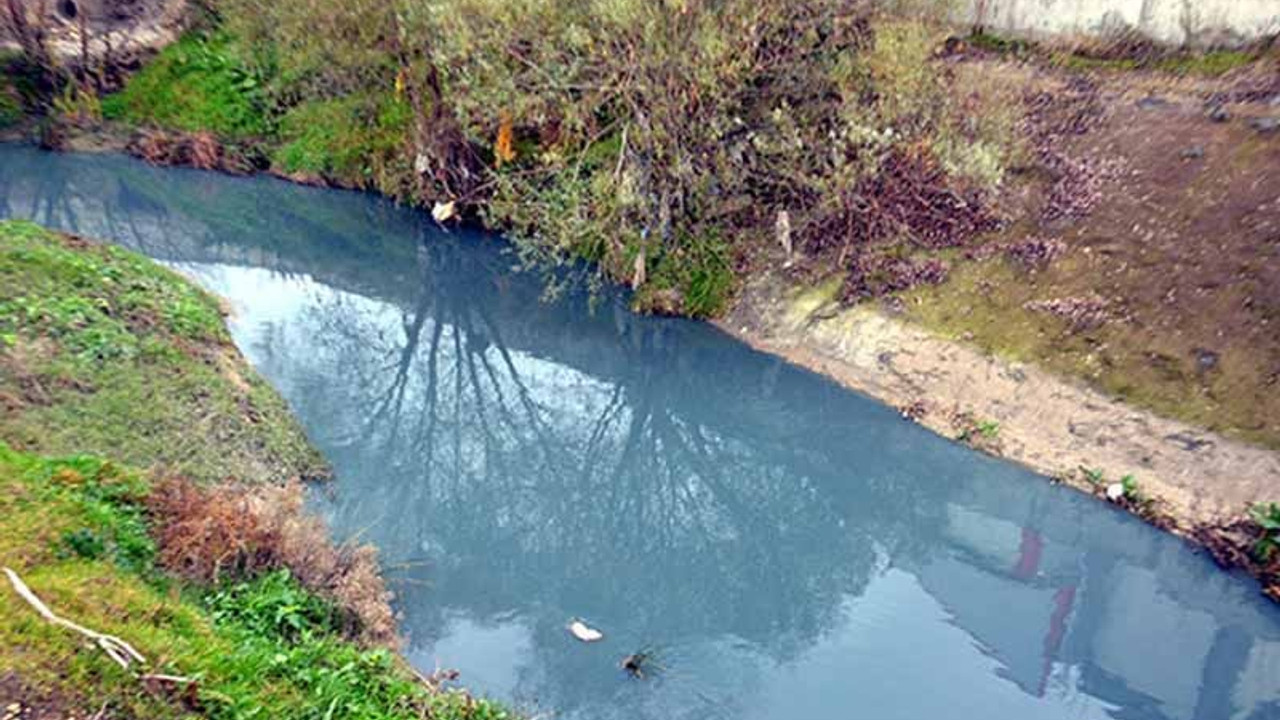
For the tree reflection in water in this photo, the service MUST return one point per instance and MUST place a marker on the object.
(520, 462)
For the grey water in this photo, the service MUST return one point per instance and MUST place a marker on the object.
(780, 548)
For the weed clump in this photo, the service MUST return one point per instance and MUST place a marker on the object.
(1080, 313)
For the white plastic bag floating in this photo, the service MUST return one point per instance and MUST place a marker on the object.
(444, 211)
(584, 632)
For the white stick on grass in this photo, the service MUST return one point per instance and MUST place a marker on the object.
(115, 648)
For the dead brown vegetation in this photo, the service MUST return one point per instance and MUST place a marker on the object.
(1233, 545)
(200, 150)
(234, 532)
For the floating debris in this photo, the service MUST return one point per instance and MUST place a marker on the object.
(635, 663)
(584, 632)
(444, 211)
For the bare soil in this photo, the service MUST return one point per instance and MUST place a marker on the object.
(1180, 253)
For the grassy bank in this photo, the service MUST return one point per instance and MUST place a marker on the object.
(107, 353)
(124, 370)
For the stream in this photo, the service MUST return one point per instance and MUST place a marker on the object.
(774, 546)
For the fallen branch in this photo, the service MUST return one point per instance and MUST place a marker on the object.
(115, 648)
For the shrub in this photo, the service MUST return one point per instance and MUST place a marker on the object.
(10, 106)
(659, 140)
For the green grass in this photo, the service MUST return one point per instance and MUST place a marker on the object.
(700, 271)
(1209, 64)
(102, 351)
(1202, 64)
(259, 649)
(198, 83)
(354, 139)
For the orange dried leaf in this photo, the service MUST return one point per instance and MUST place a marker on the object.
(504, 149)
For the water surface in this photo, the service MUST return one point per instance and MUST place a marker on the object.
(782, 548)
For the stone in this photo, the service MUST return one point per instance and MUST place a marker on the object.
(1195, 152)
(1219, 114)
(1152, 102)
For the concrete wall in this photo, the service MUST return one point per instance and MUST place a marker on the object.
(1173, 22)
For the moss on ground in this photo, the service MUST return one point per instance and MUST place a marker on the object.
(986, 304)
(105, 351)
(1206, 64)
(197, 84)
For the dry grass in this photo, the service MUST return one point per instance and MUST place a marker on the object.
(233, 532)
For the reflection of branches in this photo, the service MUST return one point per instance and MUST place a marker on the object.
(535, 456)
(394, 394)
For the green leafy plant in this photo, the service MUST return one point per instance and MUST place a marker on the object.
(198, 83)
(973, 429)
(273, 606)
(1129, 484)
(1267, 515)
(1093, 476)
(85, 543)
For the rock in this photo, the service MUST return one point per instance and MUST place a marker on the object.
(1265, 124)
(1115, 491)
(1219, 114)
(1195, 152)
(1152, 102)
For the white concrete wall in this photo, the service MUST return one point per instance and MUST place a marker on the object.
(1174, 22)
